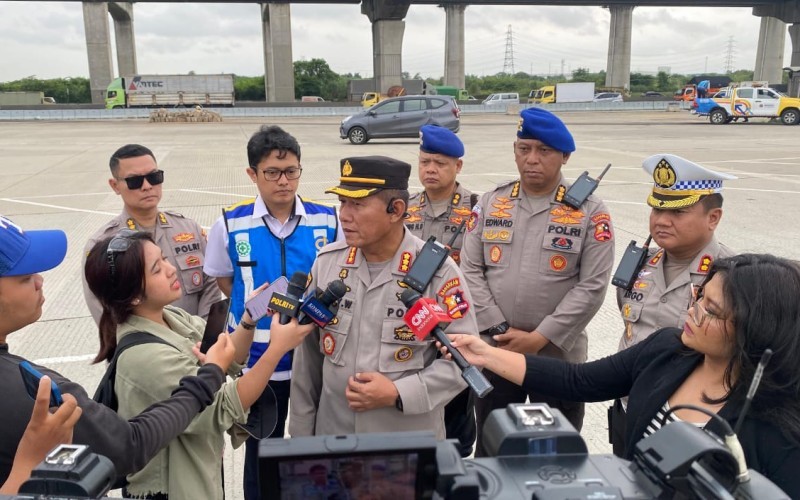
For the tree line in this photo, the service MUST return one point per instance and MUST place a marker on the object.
(315, 78)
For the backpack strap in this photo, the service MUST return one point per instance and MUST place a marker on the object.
(105, 392)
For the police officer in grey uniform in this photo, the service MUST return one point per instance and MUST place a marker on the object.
(537, 269)
(440, 211)
(444, 203)
(686, 203)
(366, 371)
(136, 178)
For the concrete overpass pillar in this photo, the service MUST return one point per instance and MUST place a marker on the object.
(454, 45)
(98, 48)
(618, 68)
(769, 54)
(278, 65)
(122, 14)
(388, 26)
(794, 34)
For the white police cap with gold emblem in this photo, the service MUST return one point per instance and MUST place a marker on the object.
(680, 183)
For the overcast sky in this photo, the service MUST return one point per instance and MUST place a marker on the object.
(46, 39)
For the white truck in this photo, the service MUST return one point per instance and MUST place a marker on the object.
(24, 98)
(170, 90)
(749, 101)
(563, 92)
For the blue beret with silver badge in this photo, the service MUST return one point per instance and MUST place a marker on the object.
(536, 123)
(439, 140)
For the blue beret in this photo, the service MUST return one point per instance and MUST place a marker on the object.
(439, 140)
(536, 123)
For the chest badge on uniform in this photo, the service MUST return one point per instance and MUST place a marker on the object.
(462, 211)
(626, 310)
(456, 255)
(242, 247)
(562, 243)
(705, 264)
(502, 205)
(403, 333)
(496, 234)
(403, 354)
(495, 253)
(183, 237)
(558, 262)
(566, 215)
(193, 260)
(197, 279)
(412, 215)
(328, 344)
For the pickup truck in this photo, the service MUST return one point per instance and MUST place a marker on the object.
(749, 102)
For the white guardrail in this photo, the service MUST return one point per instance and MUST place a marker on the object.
(255, 112)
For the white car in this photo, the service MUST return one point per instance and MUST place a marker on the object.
(608, 97)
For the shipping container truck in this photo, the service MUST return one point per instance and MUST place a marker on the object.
(170, 91)
(24, 98)
(563, 92)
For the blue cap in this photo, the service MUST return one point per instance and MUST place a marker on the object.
(439, 140)
(29, 252)
(536, 123)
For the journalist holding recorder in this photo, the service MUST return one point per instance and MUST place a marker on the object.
(135, 284)
(747, 304)
(129, 444)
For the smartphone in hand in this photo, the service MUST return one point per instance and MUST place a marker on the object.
(215, 324)
(258, 306)
(31, 376)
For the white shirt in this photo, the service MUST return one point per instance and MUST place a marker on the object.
(218, 262)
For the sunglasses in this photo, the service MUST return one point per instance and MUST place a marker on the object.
(118, 244)
(154, 178)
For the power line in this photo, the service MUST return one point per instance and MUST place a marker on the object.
(730, 55)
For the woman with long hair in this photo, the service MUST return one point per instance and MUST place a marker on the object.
(135, 284)
(747, 304)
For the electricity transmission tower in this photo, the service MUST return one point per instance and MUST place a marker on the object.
(508, 62)
(730, 55)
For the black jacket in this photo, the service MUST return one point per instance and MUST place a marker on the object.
(649, 373)
(129, 444)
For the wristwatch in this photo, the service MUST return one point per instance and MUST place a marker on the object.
(496, 329)
(398, 403)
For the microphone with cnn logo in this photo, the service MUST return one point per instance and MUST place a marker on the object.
(425, 317)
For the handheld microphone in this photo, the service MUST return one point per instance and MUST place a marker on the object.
(424, 317)
(316, 307)
(288, 303)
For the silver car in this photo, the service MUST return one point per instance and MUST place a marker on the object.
(401, 117)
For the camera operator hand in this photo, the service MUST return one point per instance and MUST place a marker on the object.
(44, 432)
(509, 365)
(220, 354)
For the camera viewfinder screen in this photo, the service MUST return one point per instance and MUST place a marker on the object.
(362, 477)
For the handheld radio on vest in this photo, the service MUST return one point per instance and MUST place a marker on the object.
(631, 263)
(582, 188)
(429, 260)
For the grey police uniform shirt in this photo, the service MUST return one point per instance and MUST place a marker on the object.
(539, 265)
(652, 304)
(369, 335)
(423, 223)
(183, 242)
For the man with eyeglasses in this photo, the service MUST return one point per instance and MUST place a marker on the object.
(537, 268)
(256, 242)
(439, 211)
(136, 178)
(686, 207)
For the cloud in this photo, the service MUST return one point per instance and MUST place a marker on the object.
(47, 38)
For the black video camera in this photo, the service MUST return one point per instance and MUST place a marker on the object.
(70, 471)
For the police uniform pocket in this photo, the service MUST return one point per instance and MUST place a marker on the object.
(191, 268)
(561, 252)
(400, 350)
(334, 336)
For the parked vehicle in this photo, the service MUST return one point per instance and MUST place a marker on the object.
(401, 117)
(562, 92)
(24, 98)
(311, 98)
(608, 97)
(749, 102)
(501, 99)
(170, 90)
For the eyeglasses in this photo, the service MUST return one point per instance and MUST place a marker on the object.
(154, 178)
(698, 313)
(118, 244)
(291, 173)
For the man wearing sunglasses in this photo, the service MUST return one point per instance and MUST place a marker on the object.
(686, 207)
(258, 241)
(136, 178)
